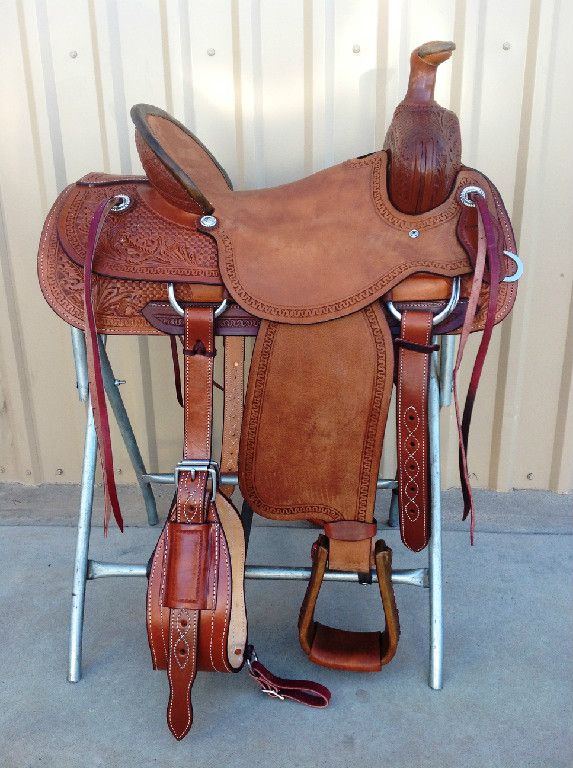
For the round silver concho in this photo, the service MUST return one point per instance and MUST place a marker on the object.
(122, 203)
(471, 190)
(208, 222)
(414, 233)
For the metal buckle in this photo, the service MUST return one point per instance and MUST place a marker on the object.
(273, 692)
(199, 465)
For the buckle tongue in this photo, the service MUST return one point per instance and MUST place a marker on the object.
(199, 465)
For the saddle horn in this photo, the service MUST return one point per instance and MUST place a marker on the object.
(423, 140)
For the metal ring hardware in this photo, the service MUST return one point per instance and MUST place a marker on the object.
(446, 311)
(471, 190)
(518, 268)
(179, 309)
(123, 203)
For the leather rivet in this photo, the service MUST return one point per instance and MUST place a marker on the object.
(208, 222)
(414, 233)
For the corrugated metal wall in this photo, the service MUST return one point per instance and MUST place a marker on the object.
(278, 89)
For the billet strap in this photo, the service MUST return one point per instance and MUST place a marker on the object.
(343, 649)
(189, 564)
(234, 394)
(195, 601)
(302, 691)
(488, 251)
(413, 372)
(97, 389)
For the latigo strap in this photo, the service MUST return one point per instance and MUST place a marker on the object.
(414, 350)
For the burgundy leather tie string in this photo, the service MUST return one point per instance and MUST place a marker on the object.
(487, 251)
(176, 369)
(302, 691)
(97, 389)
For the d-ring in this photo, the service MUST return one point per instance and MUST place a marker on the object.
(179, 309)
(518, 268)
(446, 311)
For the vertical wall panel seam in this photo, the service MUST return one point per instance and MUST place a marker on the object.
(308, 54)
(258, 113)
(167, 79)
(501, 468)
(529, 82)
(51, 96)
(457, 80)
(18, 347)
(98, 86)
(32, 109)
(478, 84)
(329, 90)
(381, 72)
(118, 86)
(557, 482)
(238, 92)
(187, 66)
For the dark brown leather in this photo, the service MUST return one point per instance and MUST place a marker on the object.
(342, 649)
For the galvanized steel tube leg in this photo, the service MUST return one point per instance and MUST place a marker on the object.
(124, 424)
(80, 361)
(82, 551)
(435, 547)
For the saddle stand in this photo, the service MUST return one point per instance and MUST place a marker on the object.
(346, 278)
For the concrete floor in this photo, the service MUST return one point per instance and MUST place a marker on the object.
(507, 699)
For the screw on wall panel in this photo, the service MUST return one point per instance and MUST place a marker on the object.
(210, 51)
(59, 471)
(530, 475)
(73, 54)
(28, 472)
(506, 46)
(356, 48)
(119, 471)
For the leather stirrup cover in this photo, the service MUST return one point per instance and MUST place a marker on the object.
(343, 649)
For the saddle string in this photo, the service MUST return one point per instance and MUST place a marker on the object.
(487, 252)
(97, 389)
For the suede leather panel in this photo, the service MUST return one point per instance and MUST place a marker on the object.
(328, 386)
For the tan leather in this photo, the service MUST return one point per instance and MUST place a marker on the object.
(140, 243)
(120, 302)
(342, 649)
(195, 605)
(288, 230)
(234, 392)
(421, 287)
(189, 587)
(328, 386)
(413, 371)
